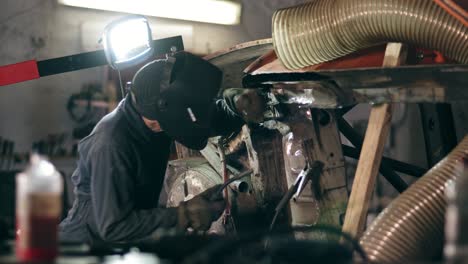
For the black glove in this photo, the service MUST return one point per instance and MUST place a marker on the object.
(248, 104)
(200, 211)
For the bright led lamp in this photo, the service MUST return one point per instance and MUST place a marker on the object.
(127, 42)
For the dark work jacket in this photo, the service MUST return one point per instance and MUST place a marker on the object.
(119, 177)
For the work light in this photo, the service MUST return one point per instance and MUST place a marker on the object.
(127, 42)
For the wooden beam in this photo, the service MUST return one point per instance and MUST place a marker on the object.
(369, 161)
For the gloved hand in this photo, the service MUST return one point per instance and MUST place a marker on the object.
(200, 211)
(249, 104)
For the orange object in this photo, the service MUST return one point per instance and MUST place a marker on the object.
(19, 72)
(366, 58)
(456, 8)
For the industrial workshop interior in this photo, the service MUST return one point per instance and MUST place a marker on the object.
(233, 131)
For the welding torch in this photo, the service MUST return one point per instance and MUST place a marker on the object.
(228, 182)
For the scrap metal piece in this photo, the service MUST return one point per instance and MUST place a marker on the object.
(340, 88)
(232, 61)
(321, 94)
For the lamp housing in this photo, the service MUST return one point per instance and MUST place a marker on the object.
(127, 42)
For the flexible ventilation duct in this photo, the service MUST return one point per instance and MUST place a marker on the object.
(411, 227)
(324, 30)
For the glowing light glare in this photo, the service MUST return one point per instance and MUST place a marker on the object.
(45, 168)
(41, 167)
(129, 39)
(208, 11)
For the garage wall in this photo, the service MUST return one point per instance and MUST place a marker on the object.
(42, 29)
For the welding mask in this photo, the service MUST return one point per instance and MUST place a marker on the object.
(179, 93)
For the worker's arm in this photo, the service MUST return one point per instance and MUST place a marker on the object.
(113, 196)
(225, 121)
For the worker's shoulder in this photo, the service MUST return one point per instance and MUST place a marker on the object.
(111, 130)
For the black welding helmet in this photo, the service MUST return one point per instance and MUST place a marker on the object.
(179, 93)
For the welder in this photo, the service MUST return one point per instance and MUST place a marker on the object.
(122, 163)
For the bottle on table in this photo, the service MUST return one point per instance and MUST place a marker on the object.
(38, 208)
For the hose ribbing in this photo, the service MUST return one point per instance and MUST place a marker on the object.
(324, 30)
(412, 226)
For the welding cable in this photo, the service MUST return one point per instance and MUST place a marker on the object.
(224, 172)
(323, 30)
(219, 248)
(282, 204)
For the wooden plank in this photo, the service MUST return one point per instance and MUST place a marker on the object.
(371, 154)
(395, 55)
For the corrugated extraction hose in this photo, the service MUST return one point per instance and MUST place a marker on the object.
(324, 30)
(412, 226)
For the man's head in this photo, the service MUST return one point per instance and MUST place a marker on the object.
(147, 86)
(179, 94)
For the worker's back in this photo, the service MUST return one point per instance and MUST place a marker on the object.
(120, 169)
